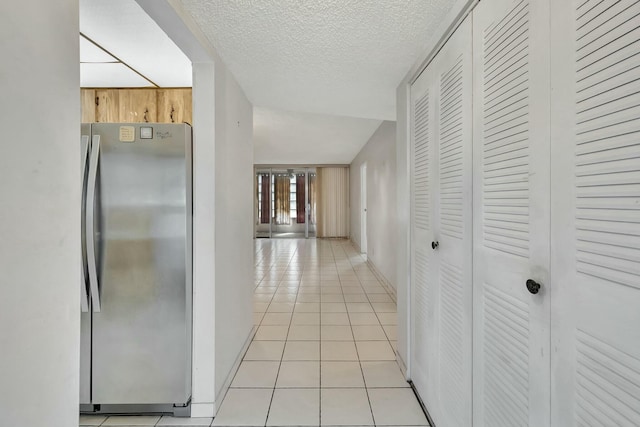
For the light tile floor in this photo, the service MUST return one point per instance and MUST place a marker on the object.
(323, 353)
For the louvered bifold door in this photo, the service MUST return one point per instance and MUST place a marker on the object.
(511, 213)
(454, 228)
(596, 213)
(423, 264)
(442, 232)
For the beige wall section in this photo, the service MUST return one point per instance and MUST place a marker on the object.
(380, 156)
(39, 213)
(332, 208)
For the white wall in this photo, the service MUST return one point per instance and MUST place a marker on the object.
(234, 224)
(223, 230)
(223, 208)
(403, 210)
(39, 213)
(380, 156)
(204, 267)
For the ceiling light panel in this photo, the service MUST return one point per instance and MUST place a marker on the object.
(89, 52)
(125, 30)
(110, 75)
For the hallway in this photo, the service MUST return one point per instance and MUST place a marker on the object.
(323, 352)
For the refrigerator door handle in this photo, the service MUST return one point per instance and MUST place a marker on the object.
(84, 289)
(90, 231)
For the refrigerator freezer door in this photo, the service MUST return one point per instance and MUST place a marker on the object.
(85, 315)
(84, 156)
(92, 223)
(141, 336)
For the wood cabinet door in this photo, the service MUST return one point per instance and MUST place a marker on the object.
(174, 105)
(107, 106)
(138, 106)
(595, 166)
(511, 214)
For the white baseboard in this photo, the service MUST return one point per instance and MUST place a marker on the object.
(402, 364)
(232, 373)
(385, 283)
(357, 246)
(202, 410)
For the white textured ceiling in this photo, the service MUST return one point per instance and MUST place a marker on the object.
(283, 138)
(340, 57)
(123, 28)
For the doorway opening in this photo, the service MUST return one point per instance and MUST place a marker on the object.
(363, 209)
(285, 203)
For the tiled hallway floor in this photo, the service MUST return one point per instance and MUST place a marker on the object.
(323, 353)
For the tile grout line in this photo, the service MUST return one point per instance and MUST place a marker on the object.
(285, 340)
(380, 324)
(380, 321)
(364, 381)
(329, 256)
(261, 320)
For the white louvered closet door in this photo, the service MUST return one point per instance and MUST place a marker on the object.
(511, 213)
(453, 69)
(442, 250)
(596, 213)
(424, 271)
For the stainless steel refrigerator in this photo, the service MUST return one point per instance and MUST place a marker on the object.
(137, 268)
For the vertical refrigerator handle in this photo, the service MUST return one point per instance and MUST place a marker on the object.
(84, 289)
(90, 217)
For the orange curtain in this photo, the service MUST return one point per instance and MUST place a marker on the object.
(282, 199)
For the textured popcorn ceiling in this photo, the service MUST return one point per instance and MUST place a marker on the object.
(339, 57)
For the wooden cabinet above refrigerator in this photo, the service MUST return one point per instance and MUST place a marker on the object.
(143, 105)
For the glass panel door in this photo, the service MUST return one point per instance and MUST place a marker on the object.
(287, 213)
(311, 203)
(285, 201)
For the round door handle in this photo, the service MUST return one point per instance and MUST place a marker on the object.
(533, 286)
(434, 245)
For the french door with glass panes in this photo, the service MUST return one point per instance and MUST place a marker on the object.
(285, 203)
(263, 200)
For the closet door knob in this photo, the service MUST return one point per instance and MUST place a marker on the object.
(533, 286)
(434, 245)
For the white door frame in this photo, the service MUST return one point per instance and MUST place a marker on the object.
(363, 208)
